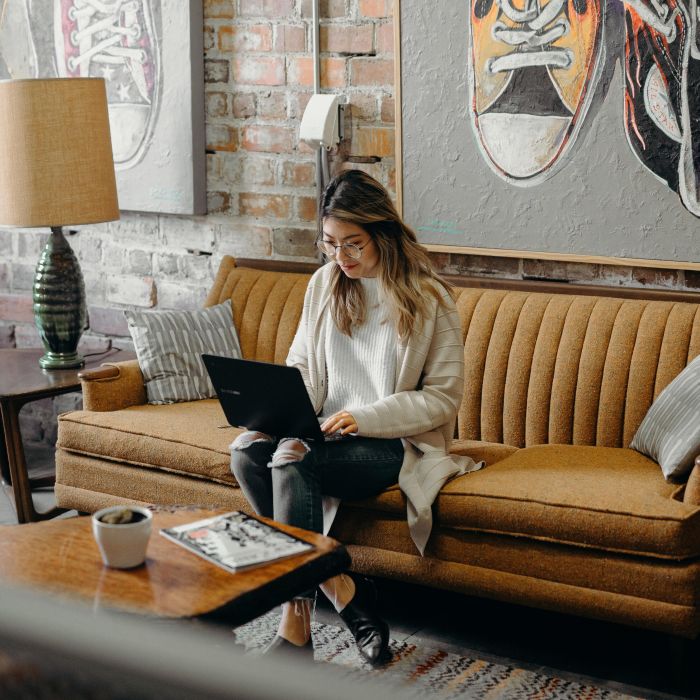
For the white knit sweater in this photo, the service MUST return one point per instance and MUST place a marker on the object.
(361, 368)
(422, 408)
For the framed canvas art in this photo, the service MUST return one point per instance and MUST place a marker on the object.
(556, 129)
(150, 54)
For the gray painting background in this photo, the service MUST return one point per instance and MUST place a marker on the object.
(602, 202)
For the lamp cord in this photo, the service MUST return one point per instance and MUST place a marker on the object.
(2, 12)
(111, 350)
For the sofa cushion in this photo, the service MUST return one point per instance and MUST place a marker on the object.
(611, 498)
(191, 437)
(670, 431)
(169, 346)
(605, 497)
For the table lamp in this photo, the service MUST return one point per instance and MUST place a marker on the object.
(56, 169)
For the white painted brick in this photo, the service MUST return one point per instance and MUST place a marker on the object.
(297, 242)
(165, 264)
(139, 262)
(88, 249)
(135, 227)
(134, 291)
(245, 239)
(95, 282)
(31, 243)
(22, 277)
(197, 268)
(231, 165)
(174, 295)
(113, 256)
(92, 344)
(6, 242)
(257, 170)
(178, 232)
(99, 230)
(107, 321)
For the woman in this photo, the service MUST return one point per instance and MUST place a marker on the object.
(380, 349)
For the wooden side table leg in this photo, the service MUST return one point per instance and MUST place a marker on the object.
(21, 488)
(4, 464)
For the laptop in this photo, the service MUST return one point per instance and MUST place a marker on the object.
(265, 397)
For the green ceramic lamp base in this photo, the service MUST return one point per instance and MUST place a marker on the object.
(61, 360)
(59, 303)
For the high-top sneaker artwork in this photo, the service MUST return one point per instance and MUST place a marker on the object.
(662, 86)
(114, 40)
(18, 55)
(533, 69)
(689, 166)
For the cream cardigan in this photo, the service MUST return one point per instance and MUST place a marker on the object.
(422, 411)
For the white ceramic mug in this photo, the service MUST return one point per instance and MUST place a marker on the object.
(122, 546)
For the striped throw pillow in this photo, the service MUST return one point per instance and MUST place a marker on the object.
(670, 431)
(169, 345)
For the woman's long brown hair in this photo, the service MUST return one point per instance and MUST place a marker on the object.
(406, 275)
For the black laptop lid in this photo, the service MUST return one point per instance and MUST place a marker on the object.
(263, 396)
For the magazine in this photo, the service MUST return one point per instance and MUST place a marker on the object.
(235, 540)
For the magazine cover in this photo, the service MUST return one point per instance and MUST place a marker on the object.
(235, 540)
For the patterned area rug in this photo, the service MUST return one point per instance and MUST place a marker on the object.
(424, 670)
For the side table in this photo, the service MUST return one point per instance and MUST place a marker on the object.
(22, 380)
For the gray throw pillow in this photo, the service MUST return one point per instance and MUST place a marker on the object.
(169, 345)
(670, 431)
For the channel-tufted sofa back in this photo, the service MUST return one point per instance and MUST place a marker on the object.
(266, 307)
(552, 368)
(539, 368)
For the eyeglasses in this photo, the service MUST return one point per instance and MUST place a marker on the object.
(354, 252)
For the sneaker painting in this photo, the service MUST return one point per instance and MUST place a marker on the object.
(18, 56)
(114, 40)
(662, 81)
(533, 69)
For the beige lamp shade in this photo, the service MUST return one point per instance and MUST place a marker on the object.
(56, 165)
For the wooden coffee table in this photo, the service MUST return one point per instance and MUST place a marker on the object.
(61, 557)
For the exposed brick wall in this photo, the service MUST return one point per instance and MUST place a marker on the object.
(259, 78)
(573, 272)
(260, 178)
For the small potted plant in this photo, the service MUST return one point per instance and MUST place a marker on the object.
(122, 534)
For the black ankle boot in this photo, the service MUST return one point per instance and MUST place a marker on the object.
(294, 651)
(362, 618)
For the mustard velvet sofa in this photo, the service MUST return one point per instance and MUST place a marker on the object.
(564, 517)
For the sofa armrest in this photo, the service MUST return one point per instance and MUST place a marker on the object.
(113, 386)
(692, 488)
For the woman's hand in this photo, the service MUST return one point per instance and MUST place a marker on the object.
(342, 422)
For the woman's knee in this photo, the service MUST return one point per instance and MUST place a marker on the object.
(250, 453)
(248, 438)
(289, 451)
